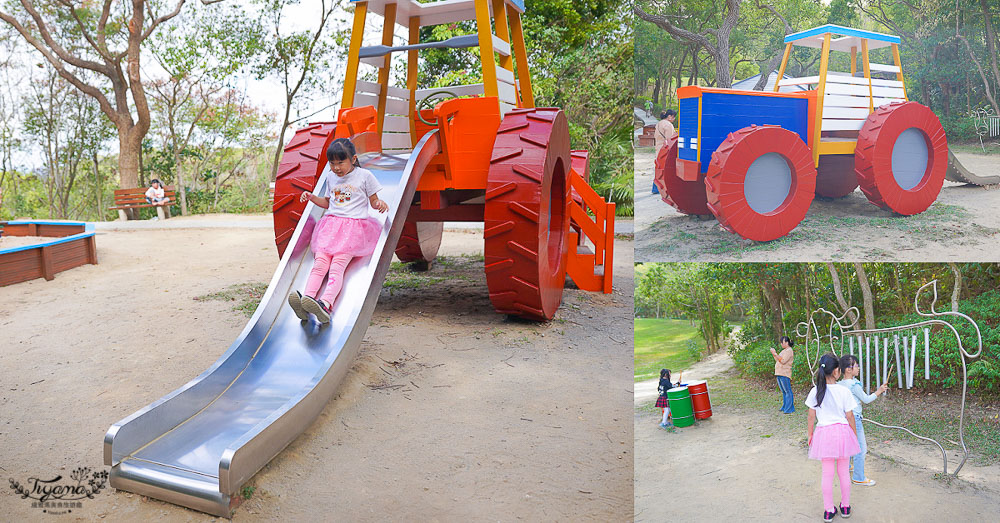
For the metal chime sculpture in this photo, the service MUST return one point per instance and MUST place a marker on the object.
(888, 348)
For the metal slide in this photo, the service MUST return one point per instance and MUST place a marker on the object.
(199, 444)
(958, 173)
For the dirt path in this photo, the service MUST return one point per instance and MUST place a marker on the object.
(718, 363)
(961, 225)
(451, 411)
(751, 465)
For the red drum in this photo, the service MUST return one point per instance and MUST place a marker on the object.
(700, 399)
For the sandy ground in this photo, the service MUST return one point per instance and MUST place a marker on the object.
(451, 412)
(10, 242)
(764, 471)
(961, 225)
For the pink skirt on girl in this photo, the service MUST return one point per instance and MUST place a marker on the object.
(835, 441)
(338, 235)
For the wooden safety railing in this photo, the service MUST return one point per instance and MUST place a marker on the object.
(590, 270)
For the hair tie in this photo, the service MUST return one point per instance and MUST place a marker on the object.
(822, 365)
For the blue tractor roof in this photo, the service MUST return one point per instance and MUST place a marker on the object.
(849, 38)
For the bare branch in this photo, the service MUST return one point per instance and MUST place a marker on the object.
(83, 30)
(47, 37)
(60, 67)
(164, 18)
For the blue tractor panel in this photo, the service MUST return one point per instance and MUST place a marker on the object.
(723, 113)
(688, 135)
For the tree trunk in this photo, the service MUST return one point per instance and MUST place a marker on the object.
(656, 90)
(773, 296)
(281, 143)
(957, 291)
(128, 158)
(866, 292)
(99, 192)
(899, 289)
(719, 51)
(851, 317)
(991, 43)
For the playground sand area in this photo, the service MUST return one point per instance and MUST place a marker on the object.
(11, 242)
(759, 459)
(451, 411)
(961, 226)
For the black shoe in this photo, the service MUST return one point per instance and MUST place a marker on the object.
(316, 307)
(828, 516)
(845, 512)
(295, 302)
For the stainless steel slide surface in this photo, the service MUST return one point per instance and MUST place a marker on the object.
(958, 173)
(197, 445)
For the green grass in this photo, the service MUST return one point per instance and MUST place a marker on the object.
(937, 420)
(245, 296)
(443, 269)
(940, 222)
(975, 148)
(663, 344)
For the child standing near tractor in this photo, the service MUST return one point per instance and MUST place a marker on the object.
(344, 232)
(833, 441)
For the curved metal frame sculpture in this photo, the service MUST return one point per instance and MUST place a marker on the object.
(848, 328)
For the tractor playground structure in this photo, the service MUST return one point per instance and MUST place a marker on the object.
(756, 159)
(500, 159)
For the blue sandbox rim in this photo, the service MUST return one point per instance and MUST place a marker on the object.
(88, 228)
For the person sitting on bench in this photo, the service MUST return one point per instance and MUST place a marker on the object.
(154, 194)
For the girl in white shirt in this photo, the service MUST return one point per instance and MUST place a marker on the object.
(832, 437)
(344, 232)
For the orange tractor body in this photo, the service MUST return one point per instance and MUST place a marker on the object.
(500, 161)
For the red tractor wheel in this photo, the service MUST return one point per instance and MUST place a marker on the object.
(686, 197)
(901, 157)
(419, 241)
(299, 170)
(760, 182)
(835, 176)
(527, 214)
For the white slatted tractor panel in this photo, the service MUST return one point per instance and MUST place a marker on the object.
(396, 121)
(846, 100)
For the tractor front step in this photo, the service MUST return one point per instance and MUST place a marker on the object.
(591, 269)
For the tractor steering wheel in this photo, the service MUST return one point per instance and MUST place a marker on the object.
(427, 103)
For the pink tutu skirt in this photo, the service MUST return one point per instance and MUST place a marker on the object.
(338, 235)
(834, 441)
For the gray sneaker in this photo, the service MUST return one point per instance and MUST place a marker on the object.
(316, 307)
(295, 301)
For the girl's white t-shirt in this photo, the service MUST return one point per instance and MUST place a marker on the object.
(836, 401)
(153, 192)
(349, 194)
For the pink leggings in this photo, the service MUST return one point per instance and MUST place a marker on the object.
(827, 483)
(335, 265)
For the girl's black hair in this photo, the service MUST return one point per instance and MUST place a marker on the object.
(847, 361)
(342, 149)
(789, 340)
(664, 387)
(157, 181)
(826, 366)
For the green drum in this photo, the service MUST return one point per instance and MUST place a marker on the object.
(681, 409)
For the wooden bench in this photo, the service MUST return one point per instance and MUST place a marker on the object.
(136, 198)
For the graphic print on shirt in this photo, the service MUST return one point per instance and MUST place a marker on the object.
(342, 194)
